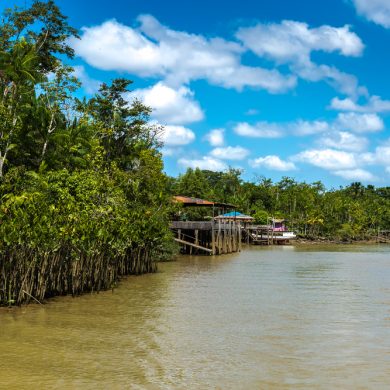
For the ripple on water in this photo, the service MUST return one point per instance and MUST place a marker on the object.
(265, 318)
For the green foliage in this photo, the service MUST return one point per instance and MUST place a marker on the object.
(261, 217)
(82, 189)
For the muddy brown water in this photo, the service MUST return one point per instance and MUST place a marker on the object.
(265, 318)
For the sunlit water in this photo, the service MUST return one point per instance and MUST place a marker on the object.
(266, 318)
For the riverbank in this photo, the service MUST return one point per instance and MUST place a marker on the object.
(330, 241)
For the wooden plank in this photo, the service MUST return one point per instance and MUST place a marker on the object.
(193, 245)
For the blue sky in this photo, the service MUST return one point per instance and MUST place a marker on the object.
(277, 88)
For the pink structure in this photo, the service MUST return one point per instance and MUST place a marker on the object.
(278, 225)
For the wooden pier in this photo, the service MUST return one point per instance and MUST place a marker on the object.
(265, 235)
(210, 237)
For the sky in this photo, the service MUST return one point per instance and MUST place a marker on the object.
(276, 88)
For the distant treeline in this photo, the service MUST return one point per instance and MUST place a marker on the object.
(350, 213)
(82, 191)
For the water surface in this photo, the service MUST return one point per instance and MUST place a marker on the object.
(266, 318)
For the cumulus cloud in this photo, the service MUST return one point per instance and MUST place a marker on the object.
(377, 11)
(275, 130)
(259, 130)
(327, 159)
(344, 140)
(374, 105)
(382, 154)
(302, 127)
(205, 162)
(230, 153)
(172, 106)
(360, 123)
(176, 136)
(154, 50)
(350, 163)
(356, 174)
(291, 42)
(336, 133)
(272, 162)
(215, 137)
(343, 82)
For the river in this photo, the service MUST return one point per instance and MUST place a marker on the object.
(307, 317)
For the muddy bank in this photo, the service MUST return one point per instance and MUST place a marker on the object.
(332, 241)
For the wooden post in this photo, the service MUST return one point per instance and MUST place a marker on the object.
(219, 237)
(224, 238)
(239, 238)
(234, 237)
(212, 238)
(235, 244)
(231, 236)
(228, 246)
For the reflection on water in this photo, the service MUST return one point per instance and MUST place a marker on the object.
(277, 318)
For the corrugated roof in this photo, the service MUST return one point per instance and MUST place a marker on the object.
(197, 202)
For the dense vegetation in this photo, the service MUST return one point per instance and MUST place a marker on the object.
(353, 212)
(83, 197)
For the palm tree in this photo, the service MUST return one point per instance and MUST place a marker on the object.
(18, 77)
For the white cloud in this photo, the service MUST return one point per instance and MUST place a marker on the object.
(374, 105)
(259, 130)
(343, 82)
(382, 154)
(273, 163)
(177, 136)
(336, 130)
(347, 164)
(377, 11)
(291, 42)
(343, 140)
(327, 159)
(90, 86)
(387, 169)
(170, 151)
(215, 137)
(360, 123)
(153, 50)
(205, 162)
(171, 106)
(230, 153)
(356, 174)
(302, 127)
